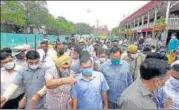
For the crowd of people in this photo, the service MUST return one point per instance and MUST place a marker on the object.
(89, 74)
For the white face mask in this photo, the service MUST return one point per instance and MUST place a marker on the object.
(33, 67)
(102, 59)
(9, 65)
(133, 56)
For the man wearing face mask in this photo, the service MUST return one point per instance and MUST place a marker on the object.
(101, 58)
(118, 76)
(90, 89)
(59, 84)
(31, 77)
(60, 52)
(142, 93)
(135, 59)
(8, 72)
(171, 88)
(173, 43)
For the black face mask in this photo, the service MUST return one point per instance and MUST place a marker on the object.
(61, 52)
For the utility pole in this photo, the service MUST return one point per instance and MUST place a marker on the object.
(97, 23)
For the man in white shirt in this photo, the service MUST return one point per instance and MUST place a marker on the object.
(32, 78)
(8, 72)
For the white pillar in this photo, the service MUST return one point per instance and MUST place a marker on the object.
(168, 11)
(167, 16)
(155, 18)
(148, 21)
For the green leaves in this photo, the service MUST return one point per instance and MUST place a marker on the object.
(161, 22)
(83, 28)
(12, 12)
(35, 13)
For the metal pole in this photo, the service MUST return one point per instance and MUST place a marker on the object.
(26, 40)
(35, 43)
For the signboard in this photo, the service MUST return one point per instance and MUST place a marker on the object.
(159, 28)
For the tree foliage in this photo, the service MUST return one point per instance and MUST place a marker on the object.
(161, 21)
(83, 28)
(12, 12)
(115, 31)
(35, 14)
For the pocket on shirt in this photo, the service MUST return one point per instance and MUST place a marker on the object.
(121, 85)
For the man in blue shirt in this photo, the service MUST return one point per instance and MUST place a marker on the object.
(173, 43)
(118, 76)
(90, 90)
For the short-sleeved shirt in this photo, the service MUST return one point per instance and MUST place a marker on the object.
(137, 96)
(57, 98)
(89, 92)
(6, 80)
(33, 81)
(118, 78)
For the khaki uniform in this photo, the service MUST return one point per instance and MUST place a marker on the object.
(134, 64)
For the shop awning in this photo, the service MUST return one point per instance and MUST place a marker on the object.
(147, 30)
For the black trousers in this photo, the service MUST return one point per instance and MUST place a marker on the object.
(13, 104)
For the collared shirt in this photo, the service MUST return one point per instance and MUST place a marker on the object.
(138, 97)
(33, 81)
(171, 89)
(6, 80)
(88, 92)
(76, 66)
(118, 78)
(58, 97)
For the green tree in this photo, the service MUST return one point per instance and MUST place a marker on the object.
(36, 12)
(115, 31)
(12, 12)
(83, 28)
(161, 22)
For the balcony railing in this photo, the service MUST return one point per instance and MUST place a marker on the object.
(173, 22)
(144, 26)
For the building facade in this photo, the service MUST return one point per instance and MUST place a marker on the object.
(143, 22)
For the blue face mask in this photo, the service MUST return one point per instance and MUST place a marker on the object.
(115, 62)
(87, 71)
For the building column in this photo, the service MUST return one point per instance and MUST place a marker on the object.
(130, 24)
(138, 22)
(148, 20)
(156, 11)
(134, 22)
(142, 20)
